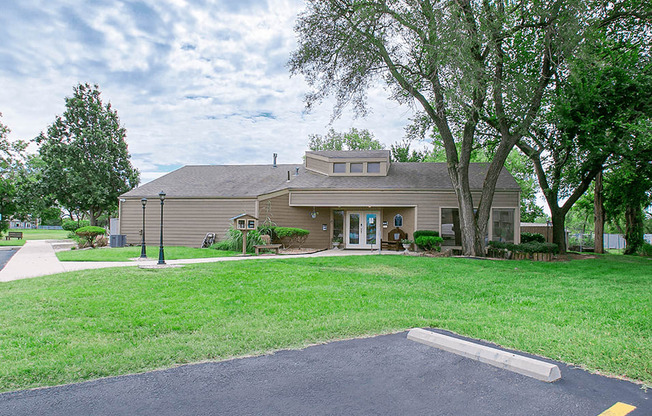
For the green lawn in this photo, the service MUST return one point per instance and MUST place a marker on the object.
(127, 253)
(34, 235)
(84, 325)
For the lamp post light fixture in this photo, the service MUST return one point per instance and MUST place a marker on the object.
(161, 256)
(143, 249)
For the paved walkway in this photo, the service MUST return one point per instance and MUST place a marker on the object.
(37, 258)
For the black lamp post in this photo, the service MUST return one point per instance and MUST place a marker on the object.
(161, 256)
(143, 249)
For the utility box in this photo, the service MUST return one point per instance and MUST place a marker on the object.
(117, 240)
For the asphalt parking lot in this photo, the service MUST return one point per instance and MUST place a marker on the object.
(383, 375)
(5, 254)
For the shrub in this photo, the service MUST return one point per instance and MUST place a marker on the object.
(88, 234)
(532, 237)
(645, 250)
(101, 241)
(498, 249)
(72, 225)
(268, 229)
(290, 236)
(233, 241)
(429, 243)
(426, 233)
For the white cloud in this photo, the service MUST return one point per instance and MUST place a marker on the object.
(192, 83)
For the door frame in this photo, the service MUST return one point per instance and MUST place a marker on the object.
(362, 232)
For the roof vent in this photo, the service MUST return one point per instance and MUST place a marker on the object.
(275, 156)
(296, 171)
(288, 176)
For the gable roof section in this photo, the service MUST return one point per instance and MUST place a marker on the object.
(250, 181)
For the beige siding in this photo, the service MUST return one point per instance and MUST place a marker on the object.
(425, 203)
(408, 215)
(185, 221)
(318, 165)
(283, 215)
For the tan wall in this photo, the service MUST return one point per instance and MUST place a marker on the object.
(425, 204)
(408, 221)
(318, 165)
(283, 215)
(544, 230)
(185, 221)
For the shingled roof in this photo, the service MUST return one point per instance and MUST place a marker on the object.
(250, 181)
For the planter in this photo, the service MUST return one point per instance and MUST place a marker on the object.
(406, 246)
(336, 245)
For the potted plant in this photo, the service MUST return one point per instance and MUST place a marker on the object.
(406, 244)
(336, 242)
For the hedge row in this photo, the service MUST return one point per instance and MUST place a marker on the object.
(532, 237)
(532, 247)
(426, 233)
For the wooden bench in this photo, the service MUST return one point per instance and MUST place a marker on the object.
(274, 247)
(266, 246)
(394, 238)
(14, 234)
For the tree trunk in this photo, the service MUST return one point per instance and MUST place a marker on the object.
(93, 218)
(559, 229)
(633, 229)
(598, 213)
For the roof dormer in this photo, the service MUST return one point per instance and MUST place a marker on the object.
(348, 162)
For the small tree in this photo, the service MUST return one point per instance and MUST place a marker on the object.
(88, 234)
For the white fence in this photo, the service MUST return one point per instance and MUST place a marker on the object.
(611, 241)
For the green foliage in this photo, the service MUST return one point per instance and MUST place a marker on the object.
(354, 139)
(400, 152)
(290, 236)
(645, 249)
(532, 237)
(429, 243)
(496, 247)
(233, 241)
(12, 157)
(89, 233)
(429, 233)
(86, 161)
(72, 225)
(267, 228)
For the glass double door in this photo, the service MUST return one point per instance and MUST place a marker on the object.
(362, 228)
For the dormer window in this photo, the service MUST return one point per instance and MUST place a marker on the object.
(356, 167)
(339, 167)
(373, 167)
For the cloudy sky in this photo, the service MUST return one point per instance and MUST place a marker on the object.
(194, 82)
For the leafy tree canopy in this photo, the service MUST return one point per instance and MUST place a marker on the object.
(11, 164)
(354, 139)
(87, 164)
(478, 70)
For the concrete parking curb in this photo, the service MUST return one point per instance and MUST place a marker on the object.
(509, 361)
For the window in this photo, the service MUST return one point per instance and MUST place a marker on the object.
(450, 227)
(338, 225)
(373, 167)
(503, 225)
(356, 167)
(339, 167)
(398, 220)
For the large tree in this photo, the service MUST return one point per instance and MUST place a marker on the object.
(590, 124)
(87, 164)
(12, 156)
(463, 62)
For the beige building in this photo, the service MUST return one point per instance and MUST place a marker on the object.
(356, 197)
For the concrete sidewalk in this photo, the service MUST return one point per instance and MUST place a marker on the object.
(37, 258)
